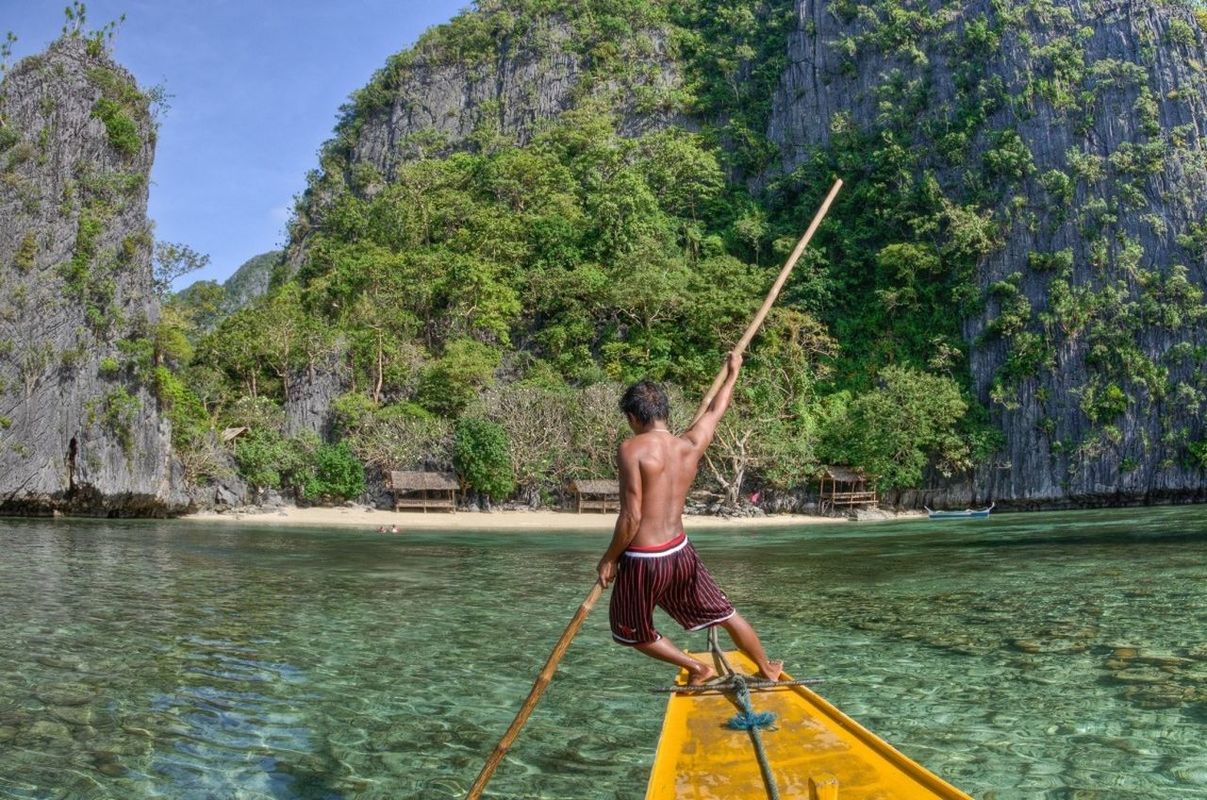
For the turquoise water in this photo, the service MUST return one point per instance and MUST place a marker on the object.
(1024, 656)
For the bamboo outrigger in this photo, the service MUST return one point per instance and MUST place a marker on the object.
(816, 752)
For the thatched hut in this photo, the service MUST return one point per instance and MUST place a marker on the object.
(424, 490)
(596, 495)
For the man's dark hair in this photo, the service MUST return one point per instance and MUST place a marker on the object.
(646, 401)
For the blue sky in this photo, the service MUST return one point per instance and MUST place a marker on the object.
(255, 85)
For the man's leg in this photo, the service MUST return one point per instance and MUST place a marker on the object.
(663, 650)
(747, 640)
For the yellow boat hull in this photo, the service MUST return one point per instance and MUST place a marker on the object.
(816, 752)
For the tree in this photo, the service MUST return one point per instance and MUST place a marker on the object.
(171, 261)
(481, 458)
(266, 458)
(598, 428)
(335, 473)
(772, 426)
(202, 305)
(399, 436)
(893, 431)
(450, 382)
(538, 424)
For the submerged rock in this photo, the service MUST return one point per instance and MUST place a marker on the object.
(65, 694)
(73, 715)
(45, 729)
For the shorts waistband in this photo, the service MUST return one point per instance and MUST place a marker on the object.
(660, 550)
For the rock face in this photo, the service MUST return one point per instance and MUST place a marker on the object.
(442, 102)
(1091, 338)
(438, 98)
(80, 429)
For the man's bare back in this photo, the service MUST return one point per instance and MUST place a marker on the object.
(666, 465)
(657, 469)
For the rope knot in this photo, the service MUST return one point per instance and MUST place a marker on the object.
(748, 719)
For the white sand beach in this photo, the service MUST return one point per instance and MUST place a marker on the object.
(370, 520)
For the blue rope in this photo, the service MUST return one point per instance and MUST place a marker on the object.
(750, 720)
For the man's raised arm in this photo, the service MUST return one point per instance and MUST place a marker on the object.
(702, 432)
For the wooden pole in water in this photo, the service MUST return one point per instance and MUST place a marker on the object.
(559, 650)
(538, 688)
(753, 327)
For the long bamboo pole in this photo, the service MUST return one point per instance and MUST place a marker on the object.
(754, 325)
(538, 688)
(559, 649)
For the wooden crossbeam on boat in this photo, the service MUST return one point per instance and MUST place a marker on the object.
(754, 684)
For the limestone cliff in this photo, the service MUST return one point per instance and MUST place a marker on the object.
(487, 74)
(1076, 129)
(1035, 170)
(80, 428)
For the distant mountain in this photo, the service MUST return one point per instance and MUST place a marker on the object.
(250, 280)
(210, 302)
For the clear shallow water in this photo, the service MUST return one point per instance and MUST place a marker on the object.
(1024, 656)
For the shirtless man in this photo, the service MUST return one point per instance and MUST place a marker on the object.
(650, 557)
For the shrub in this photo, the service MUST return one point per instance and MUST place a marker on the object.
(8, 138)
(1181, 33)
(352, 411)
(27, 252)
(481, 457)
(123, 133)
(1198, 453)
(109, 367)
(120, 410)
(334, 473)
(265, 458)
(1106, 403)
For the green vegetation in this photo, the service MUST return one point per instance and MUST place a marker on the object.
(8, 138)
(109, 367)
(27, 252)
(266, 459)
(117, 413)
(123, 132)
(892, 430)
(335, 474)
(486, 301)
(481, 457)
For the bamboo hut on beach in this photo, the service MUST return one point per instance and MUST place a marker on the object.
(844, 487)
(413, 489)
(596, 495)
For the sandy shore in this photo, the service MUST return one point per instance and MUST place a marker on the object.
(370, 520)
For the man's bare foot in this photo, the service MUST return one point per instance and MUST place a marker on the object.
(698, 677)
(772, 671)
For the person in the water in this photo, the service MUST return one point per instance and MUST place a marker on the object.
(649, 557)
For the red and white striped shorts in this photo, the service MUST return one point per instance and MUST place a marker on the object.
(671, 577)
